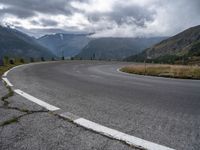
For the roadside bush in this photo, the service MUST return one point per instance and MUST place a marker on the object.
(6, 59)
(11, 61)
(21, 60)
(1, 62)
(42, 59)
(32, 59)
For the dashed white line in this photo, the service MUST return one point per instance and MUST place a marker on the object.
(36, 100)
(134, 141)
(7, 82)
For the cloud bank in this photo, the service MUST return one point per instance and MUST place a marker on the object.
(106, 18)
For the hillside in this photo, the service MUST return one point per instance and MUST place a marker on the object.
(181, 48)
(17, 44)
(69, 44)
(115, 48)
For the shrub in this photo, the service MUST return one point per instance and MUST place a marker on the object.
(6, 59)
(1, 62)
(21, 60)
(32, 59)
(11, 61)
(42, 59)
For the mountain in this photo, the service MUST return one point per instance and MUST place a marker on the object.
(115, 48)
(181, 48)
(14, 43)
(69, 44)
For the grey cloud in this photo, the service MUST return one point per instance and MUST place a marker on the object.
(176, 16)
(123, 14)
(139, 14)
(46, 22)
(19, 12)
(27, 8)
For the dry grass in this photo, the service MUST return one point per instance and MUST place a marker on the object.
(173, 71)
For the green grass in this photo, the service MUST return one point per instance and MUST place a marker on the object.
(10, 121)
(172, 71)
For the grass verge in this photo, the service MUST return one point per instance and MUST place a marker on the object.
(170, 71)
(7, 67)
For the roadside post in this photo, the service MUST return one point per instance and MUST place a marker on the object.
(63, 57)
(1, 62)
(145, 65)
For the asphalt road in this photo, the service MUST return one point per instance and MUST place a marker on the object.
(161, 110)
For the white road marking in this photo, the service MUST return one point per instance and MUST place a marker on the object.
(37, 101)
(7, 82)
(5, 74)
(137, 142)
(118, 70)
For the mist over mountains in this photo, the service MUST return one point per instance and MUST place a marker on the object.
(65, 44)
(116, 48)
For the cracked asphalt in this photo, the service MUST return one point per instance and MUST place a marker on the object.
(161, 110)
(27, 126)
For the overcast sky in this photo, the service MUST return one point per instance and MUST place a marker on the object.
(116, 18)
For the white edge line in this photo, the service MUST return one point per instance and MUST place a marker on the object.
(118, 70)
(134, 141)
(7, 82)
(5, 73)
(36, 100)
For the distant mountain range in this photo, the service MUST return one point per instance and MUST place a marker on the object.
(67, 44)
(181, 48)
(14, 43)
(116, 48)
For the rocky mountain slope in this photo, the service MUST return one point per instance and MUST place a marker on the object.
(181, 48)
(14, 43)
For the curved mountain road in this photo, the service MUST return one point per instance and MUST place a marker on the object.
(161, 110)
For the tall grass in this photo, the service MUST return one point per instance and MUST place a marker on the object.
(174, 71)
